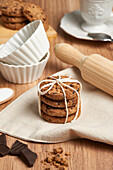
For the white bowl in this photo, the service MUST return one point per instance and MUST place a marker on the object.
(27, 46)
(23, 74)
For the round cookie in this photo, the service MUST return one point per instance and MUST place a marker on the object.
(56, 92)
(59, 104)
(34, 12)
(13, 19)
(12, 8)
(52, 119)
(58, 112)
(14, 26)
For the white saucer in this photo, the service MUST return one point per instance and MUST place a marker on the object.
(6, 94)
(71, 24)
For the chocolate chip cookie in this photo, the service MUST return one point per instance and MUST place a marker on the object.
(59, 104)
(34, 12)
(12, 8)
(11, 19)
(14, 26)
(56, 92)
(53, 119)
(51, 111)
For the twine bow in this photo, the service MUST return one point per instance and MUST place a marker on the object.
(60, 81)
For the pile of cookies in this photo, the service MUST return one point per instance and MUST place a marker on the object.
(53, 108)
(17, 13)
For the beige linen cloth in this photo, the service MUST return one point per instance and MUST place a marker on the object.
(21, 119)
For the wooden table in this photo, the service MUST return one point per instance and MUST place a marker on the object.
(85, 154)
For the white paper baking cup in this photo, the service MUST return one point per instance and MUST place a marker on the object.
(23, 74)
(27, 46)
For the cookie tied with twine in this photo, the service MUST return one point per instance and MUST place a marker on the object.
(60, 91)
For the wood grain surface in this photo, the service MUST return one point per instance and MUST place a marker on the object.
(6, 34)
(85, 154)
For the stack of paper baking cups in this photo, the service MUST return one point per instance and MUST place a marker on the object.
(24, 57)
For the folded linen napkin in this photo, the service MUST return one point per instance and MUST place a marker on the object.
(21, 119)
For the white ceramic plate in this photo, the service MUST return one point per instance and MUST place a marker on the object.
(6, 94)
(71, 24)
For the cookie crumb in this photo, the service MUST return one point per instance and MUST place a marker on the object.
(62, 168)
(61, 160)
(56, 164)
(47, 168)
(67, 154)
(51, 163)
(45, 163)
(49, 159)
(42, 161)
(58, 150)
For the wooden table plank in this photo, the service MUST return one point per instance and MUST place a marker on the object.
(85, 154)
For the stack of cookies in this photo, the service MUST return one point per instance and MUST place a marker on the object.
(53, 107)
(17, 13)
(12, 15)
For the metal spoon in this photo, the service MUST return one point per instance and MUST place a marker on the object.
(100, 37)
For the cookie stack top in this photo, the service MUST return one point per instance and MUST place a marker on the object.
(13, 8)
(56, 92)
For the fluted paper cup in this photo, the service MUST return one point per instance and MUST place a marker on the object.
(23, 74)
(27, 46)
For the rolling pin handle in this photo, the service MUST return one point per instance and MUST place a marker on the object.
(69, 55)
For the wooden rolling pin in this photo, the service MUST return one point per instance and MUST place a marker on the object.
(95, 69)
